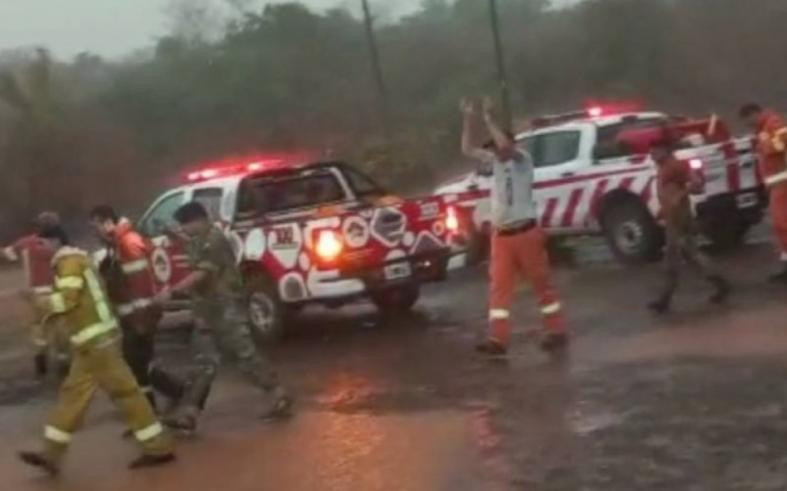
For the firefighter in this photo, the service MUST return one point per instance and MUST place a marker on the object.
(518, 243)
(220, 307)
(675, 183)
(36, 260)
(771, 142)
(79, 298)
(131, 285)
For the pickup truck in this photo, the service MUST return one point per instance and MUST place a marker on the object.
(315, 232)
(591, 178)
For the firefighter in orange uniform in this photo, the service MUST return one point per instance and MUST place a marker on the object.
(36, 260)
(771, 143)
(518, 243)
(131, 285)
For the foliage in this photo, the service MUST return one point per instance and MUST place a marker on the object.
(284, 77)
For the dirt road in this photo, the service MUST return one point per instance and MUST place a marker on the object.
(691, 401)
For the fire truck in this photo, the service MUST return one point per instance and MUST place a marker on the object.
(593, 175)
(308, 232)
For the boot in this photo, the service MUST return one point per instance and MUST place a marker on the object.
(780, 277)
(183, 420)
(41, 364)
(661, 305)
(722, 290)
(40, 460)
(147, 460)
(554, 342)
(278, 405)
(491, 347)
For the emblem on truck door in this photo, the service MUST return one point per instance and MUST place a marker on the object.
(285, 244)
(356, 232)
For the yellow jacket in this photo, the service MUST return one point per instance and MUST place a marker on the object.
(80, 298)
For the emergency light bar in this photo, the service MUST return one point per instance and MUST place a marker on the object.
(231, 170)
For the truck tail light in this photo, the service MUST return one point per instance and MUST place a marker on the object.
(451, 220)
(696, 164)
(328, 245)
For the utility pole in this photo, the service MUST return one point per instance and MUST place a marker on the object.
(505, 95)
(377, 70)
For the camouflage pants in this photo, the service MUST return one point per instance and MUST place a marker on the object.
(222, 328)
(681, 247)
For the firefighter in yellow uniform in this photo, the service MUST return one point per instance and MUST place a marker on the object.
(79, 299)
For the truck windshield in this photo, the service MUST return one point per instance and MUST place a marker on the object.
(270, 194)
(608, 145)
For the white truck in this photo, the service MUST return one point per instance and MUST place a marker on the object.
(590, 179)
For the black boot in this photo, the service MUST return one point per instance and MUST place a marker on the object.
(722, 290)
(38, 459)
(780, 277)
(41, 365)
(152, 461)
(660, 305)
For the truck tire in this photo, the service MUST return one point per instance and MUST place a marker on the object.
(631, 232)
(396, 301)
(266, 310)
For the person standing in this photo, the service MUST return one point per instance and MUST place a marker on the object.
(518, 242)
(79, 298)
(220, 306)
(132, 285)
(771, 144)
(36, 258)
(675, 183)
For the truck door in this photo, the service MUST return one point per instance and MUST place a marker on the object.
(169, 259)
(559, 192)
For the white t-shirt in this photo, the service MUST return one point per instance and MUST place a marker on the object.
(512, 188)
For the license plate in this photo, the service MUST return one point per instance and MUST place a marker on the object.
(397, 271)
(747, 200)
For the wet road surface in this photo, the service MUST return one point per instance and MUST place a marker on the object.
(694, 400)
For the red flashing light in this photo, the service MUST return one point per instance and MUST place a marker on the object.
(451, 220)
(696, 164)
(595, 111)
(329, 245)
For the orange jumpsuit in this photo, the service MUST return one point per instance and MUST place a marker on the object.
(771, 146)
(518, 246)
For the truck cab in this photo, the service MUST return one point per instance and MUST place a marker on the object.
(319, 232)
(588, 180)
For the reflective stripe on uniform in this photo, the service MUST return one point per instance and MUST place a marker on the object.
(56, 435)
(146, 389)
(776, 178)
(92, 332)
(42, 290)
(550, 309)
(499, 314)
(134, 266)
(777, 141)
(10, 254)
(96, 291)
(133, 306)
(150, 432)
(57, 303)
(70, 282)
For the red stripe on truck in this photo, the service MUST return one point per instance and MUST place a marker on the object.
(546, 219)
(573, 202)
(733, 167)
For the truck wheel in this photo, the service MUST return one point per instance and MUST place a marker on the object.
(266, 311)
(631, 232)
(396, 301)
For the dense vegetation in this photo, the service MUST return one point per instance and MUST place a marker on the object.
(76, 132)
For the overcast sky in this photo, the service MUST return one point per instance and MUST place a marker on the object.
(108, 27)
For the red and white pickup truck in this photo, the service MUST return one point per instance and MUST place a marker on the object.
(319, 232)
(593, 175)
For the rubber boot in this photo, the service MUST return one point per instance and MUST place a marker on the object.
(722, 289)
(278, 405)
(661, 305)
(780, 277)
(41, 461)
(184, 419)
